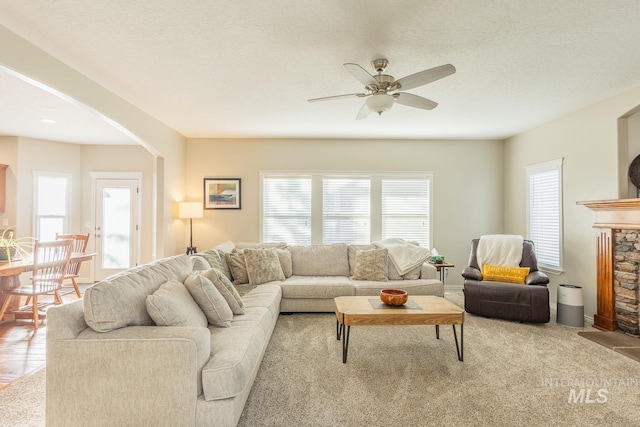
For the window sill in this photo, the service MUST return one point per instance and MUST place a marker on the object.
(556, 271)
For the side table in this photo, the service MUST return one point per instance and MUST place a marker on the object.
(442, 269)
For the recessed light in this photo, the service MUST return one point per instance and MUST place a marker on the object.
(45, 120)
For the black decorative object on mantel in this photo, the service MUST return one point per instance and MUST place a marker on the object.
(634, 174)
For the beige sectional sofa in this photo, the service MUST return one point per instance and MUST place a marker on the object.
(108, 364)
(311, 289)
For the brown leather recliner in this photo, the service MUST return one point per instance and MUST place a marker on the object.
(524, 303)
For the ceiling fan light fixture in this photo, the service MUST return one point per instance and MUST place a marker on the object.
(379, 102)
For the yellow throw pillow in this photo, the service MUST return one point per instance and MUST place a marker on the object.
(504, 274)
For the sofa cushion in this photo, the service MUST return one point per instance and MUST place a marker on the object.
(238, 267)
(172, 305)
(413, 287)
(121, 300)
(263, 265)
(317, 287)
(371, 265)
(226, 289)
(210, 300)
(236, 352)
(265, 245)
(320, 260)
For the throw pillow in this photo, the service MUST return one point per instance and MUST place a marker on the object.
(284, 255)
(212, 257)
(371, 265)
(393, 271)
(413, 274)
(238, 267)
(199, 263)
(504, 274)
(223, 261)
(212, 303)
(263, 265)
(172, 305)
(226, 289)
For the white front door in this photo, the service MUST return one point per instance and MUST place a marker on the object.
(116, 225)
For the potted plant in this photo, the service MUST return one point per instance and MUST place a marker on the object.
(12, 247)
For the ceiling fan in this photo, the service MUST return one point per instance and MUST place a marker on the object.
(382, 90)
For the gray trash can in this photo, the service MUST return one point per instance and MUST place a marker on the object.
(570, 309)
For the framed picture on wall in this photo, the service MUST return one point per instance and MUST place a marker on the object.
(222, 193)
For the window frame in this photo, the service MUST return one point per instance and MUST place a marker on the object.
(375, 197)
(67, 205)
(536, 169)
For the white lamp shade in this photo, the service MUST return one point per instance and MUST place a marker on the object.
(379, 102)
(190, 210)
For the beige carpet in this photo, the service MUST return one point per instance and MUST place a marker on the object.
(513, 375)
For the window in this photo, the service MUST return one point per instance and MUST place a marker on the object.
(544, 212)
(51, 204)
(286, 210)
(405, 209)
(325, 208)
(346, 210)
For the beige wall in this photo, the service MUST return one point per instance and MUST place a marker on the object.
(26, 155)
(9, 156)
(467, 187)
(167, 145)
(36, 155)
(121, 159)
(588, 141)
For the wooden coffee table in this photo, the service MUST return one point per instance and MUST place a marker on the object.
(419, 310)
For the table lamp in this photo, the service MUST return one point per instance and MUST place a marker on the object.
(190, 210)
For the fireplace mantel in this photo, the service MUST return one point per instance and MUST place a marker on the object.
(619, 214)
(615, 214)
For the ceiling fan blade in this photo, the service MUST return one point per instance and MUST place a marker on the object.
(416, 101)
(426, 76)
(363, 113)
(329, 98)
(361, 74)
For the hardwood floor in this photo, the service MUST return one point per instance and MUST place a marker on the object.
(22, 348)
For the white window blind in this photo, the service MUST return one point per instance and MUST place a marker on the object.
(51, 205)
(346, 210)
(544, 185)
(405, 209)
(286, 210)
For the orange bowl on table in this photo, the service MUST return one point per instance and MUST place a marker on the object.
(393, 296)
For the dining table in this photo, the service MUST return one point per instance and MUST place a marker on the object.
(10, 277)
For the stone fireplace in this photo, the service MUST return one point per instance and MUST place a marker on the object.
(625, 279)
(617, 264)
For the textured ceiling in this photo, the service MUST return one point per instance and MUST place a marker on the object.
(246, 68)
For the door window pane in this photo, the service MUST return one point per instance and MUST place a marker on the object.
(116, 227)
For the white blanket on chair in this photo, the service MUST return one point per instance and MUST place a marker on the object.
(405, 256)
(500, 249)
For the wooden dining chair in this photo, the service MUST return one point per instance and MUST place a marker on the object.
(80, 242)
(50, 262)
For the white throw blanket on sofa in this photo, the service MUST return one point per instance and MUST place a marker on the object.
(500, 249)
(405, 256)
